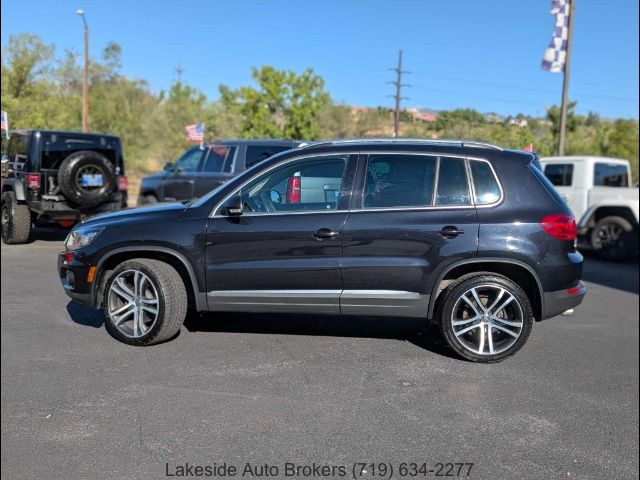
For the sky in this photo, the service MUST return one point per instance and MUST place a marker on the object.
(481, 54)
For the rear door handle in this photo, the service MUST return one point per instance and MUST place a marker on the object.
(451, 231)
(324, 233)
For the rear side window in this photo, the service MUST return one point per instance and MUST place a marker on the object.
(559, 174)
(609, 175)
(453, 187)
(219, 159)
(485, 184)
(257, 153)
(399, 181)
(19, 147)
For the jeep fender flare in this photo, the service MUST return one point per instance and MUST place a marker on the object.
(16, 186)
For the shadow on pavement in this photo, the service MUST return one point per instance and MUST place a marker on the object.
(84, 315)
(622, 276)
(408, 330)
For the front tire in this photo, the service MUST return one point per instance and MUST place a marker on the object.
(145, 302)
(16, 220)
(485, 318)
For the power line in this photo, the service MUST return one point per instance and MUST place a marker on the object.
(398, 95)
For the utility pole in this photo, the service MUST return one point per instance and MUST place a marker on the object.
(85, 79)
(179, 71)
(565, 83)
(398, 96)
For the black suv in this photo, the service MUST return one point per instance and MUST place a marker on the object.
(60, 176)
(467, 235)
(203, 168)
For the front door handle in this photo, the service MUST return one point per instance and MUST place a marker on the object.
(324, 233)
(451, 231)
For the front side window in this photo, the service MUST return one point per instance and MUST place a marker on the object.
(485, 184)
(610, 175)
(219, 158)
(453, 187)
(559, 174)
(189, 161)
(399, 181)
(305, 185)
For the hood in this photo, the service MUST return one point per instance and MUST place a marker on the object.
(165, 212)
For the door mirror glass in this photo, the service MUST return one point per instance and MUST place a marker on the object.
(233, 206)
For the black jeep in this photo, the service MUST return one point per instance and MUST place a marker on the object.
(59, 176)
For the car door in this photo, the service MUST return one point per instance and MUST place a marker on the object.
(216, 168)
(179, 184)
(283, 252)
(411, 215)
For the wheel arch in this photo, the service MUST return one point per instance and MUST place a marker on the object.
(107, 263)
(519, 272)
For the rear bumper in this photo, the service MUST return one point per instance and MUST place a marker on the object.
(560, 301)
(62, 210)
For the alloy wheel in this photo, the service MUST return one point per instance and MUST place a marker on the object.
(487, 319)
(133, 303)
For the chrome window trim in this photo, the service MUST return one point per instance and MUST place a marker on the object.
(284, 162)
(380, 209)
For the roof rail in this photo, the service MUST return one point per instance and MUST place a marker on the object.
(426, 141)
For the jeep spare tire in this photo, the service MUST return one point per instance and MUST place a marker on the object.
(86, 178)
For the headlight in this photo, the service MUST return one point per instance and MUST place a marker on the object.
(81, 238)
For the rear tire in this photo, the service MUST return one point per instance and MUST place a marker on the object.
(16, 220)
(485, 318)
(145, 302)
(613, 239)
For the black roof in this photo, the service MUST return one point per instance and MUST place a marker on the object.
(65, 132)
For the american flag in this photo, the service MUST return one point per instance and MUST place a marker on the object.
(556, 53)
(5, 121)
(195, 132)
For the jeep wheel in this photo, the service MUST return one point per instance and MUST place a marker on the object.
(485, 318)
(145, 302)
(86, 178)
(612, 238)
(16, 220)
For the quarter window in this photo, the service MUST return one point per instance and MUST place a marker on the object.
(399, 181)
(559, 174)
(306, 185)
(453, 187)
(608, 175)
(485, 184)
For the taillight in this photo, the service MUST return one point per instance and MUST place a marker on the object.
(33, 181)
(562, 227)
(123, 183)
(294, 186)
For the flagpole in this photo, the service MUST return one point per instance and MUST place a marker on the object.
(565, 83)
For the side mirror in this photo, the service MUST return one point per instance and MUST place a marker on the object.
(168, 166)
(233, 206)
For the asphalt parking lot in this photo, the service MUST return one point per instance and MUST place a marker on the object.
(274, 389)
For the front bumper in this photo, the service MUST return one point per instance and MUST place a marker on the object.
(73, 276)
(560, 301)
